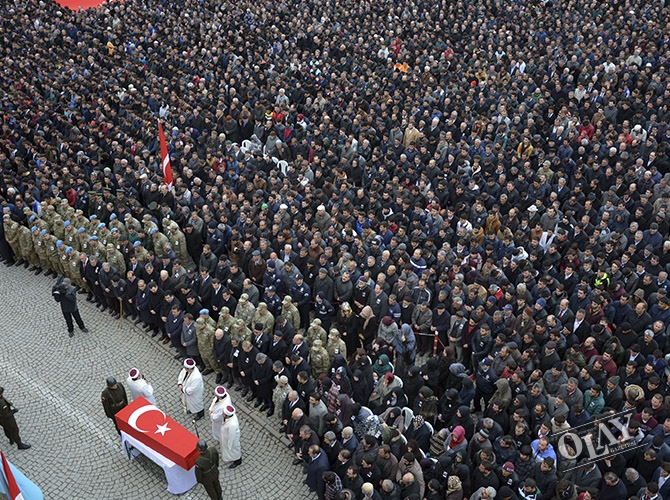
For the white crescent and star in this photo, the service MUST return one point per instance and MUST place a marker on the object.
(132, 420)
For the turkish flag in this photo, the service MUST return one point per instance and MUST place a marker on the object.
(150, 425)
(165, 157)
(12, 487)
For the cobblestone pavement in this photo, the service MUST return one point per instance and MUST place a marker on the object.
(56, 382)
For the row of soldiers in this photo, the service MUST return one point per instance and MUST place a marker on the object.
(54, 241)
(230, 348)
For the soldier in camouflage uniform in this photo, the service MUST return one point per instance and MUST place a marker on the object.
(62, 208)
(319, 360)
(52, 259)
(104, 236)
(158, 239)
(140, 252)
(48, 215)
(92, 226)
(241, 331)
(115, 223)
(204, 314)
(73, 262)
(11, 235)
(70, 237)
(84, 241)
(63, 260)
(129, 220)
(57, 228)
(95, 248)
(178, 242)
(265, 317)
(205, 334)
(115, 259)
(147, 223)
(36, 221)
(40, 249)
(335, 344)
(114, 238)
(316, 332)
(245, 310)
(226, 321)
(69, 214)
(79, 220)
(25, 238)
(290, 312)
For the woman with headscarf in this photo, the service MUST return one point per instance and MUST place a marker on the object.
(344, 411)
(346, 323)
(467, 392)
(392, 418)
(448, 404)
(455, 442)
(405, 349)
(431, 374)
(464, 419)
(456, 376)
(419, 431)
(454, 488)
(413, 384)
(503, 393)
(361, 361)
(395, 398)
(341, 379)
(331, 392)
(382, 366)
(367, 326)
(338, 362)
(361, 387)
(383, 387)
(388, 329)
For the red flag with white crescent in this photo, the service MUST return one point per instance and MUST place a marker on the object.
(167, 170)
(12, 487)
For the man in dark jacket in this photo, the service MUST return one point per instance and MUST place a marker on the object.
(262, 375)
(207, 470)
(66, 294)
(113, 399)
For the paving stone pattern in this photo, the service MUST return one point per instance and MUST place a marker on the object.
(56, 382)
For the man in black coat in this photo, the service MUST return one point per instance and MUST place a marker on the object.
(246, 361)
(277, 348)
(260, 339)
(91, 274)
(66, 294)
(222, 348)
(262, 375)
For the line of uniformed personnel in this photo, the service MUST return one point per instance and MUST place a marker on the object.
(133, 267)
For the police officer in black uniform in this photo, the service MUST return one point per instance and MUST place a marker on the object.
(114, 399)
(207, 470)
(8, 422)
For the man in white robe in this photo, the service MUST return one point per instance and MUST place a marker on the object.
(191, 387)
(231, 450)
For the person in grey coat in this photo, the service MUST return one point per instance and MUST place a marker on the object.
(189, 341)
(67, 295)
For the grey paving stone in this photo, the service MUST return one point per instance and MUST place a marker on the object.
(56, 382)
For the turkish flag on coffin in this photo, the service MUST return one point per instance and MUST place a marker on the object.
(150, 425)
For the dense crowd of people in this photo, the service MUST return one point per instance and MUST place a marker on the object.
(427, 238)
